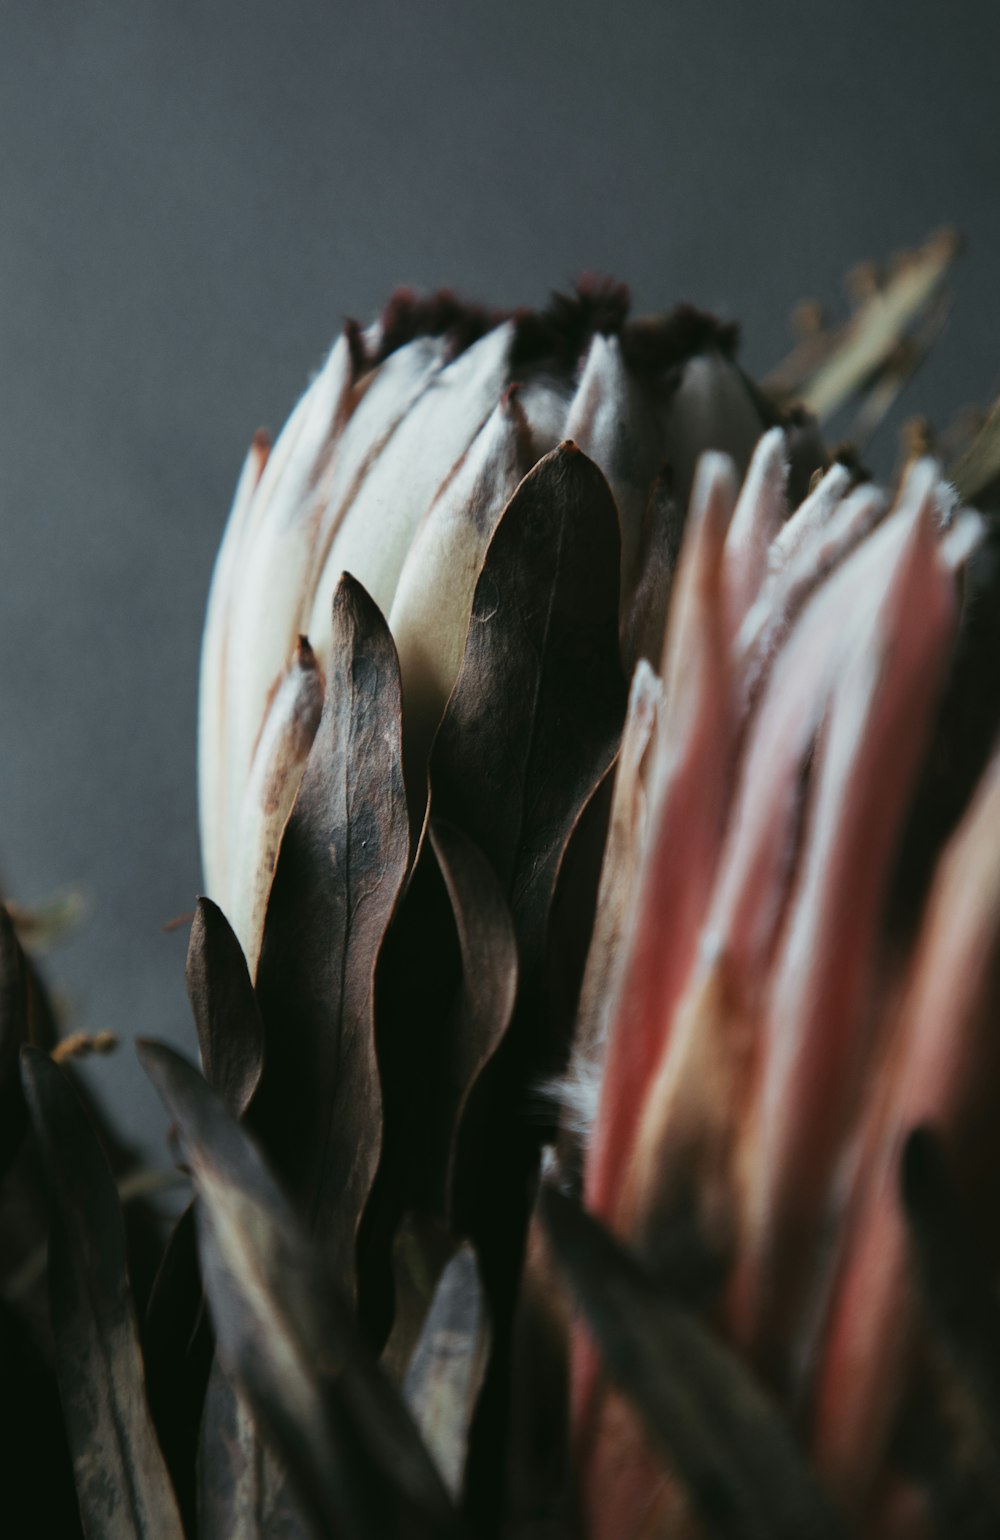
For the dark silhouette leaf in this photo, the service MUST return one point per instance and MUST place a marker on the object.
(647, 596)
(957, 1285)
(977, 473)
(177, 1349)
(23, 1019)
(36, 1475)
(530, 729)
(722, 1437)
(226, 1013)
(446, 988)
(487, 996)
(286, 1338)
(340, 870)
(177, 1334)
(122, 1482)
(534, 719)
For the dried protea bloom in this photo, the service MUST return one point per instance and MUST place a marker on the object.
(396, 467)
(508, 498)
(596, 782)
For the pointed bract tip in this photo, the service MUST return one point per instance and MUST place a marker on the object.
(714, 469)
(356, 348)
(772, 443)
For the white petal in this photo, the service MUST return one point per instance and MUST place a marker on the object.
(611, 419)
(545, 403)
(711, 409)
(430, 612)
(771, 618)
(896, 630)
(384, 399)
(811, 515)
(759, 514)
(275, 774)
(267, 591)
(376, 531)
(620, 871)
(214, 686)
(959, 542)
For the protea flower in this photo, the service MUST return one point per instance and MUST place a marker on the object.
(589, 779)
(396, 467)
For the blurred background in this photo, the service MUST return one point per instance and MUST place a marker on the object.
(194, 195)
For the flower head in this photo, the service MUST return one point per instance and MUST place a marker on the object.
(597, 992)
(396, 467)
(705, 937)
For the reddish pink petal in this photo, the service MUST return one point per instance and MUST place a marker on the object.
(815, 1018)
(689, 782)
(943, 1070)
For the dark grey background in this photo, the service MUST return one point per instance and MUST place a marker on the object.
(192, 196)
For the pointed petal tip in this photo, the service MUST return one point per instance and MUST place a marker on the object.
(962, 539)
(714, 490)
(773, 442)
(919, 485)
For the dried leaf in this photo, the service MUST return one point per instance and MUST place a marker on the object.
(40, 925)
(977, 473)
(834, 368)
(121, 1477)
(14, 1029)
(177, 1348)
(488, 993)
(340, 870)
(722, 1437)
(897, 372)
(646, 597)
(226, 1014)
(446, 990)
(447, 1368)
(36, 1474)
(286, 1338)
(534, 718)
(530, 730)
(537, 1463)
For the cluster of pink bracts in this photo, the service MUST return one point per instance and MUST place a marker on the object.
(765, 1045)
